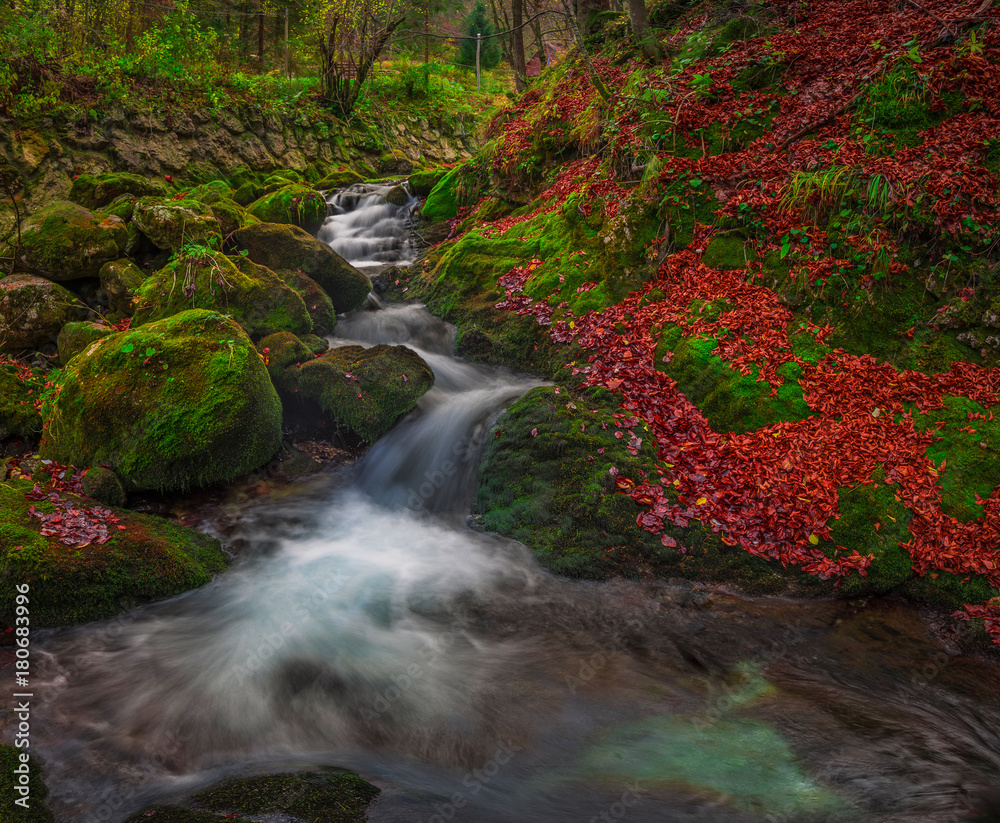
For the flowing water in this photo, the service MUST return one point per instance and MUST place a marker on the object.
(366, 230)
(372, 629)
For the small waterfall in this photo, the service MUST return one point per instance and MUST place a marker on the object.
(366, 230)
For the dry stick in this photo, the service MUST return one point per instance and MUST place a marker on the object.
(927, 11)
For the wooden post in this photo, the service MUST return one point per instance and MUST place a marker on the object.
(286, 42)
(479, 41)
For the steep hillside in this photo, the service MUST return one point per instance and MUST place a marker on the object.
(777, 247)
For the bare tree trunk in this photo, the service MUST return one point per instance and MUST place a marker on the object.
(129, 31)
(640, 30)
(543, 58)
(260, 36)
(517, 45)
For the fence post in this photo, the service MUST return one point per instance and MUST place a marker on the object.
(479, 40)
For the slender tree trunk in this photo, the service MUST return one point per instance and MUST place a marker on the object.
(543, 58)
(244, 25)
(427, 39)
(640, 30)
(517, 45)
(129, 30)
(260, 36)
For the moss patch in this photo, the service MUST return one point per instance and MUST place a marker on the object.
(37, 811)
(297, 204)
(316, 797)
(147, 559)
(94, 191)
(18, 416)
(363, 390)
(554, 491)
(176, 404)
(252, 295)
(730, 401)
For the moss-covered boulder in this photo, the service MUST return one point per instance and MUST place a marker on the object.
(231, 216)
(318, 302)
(94, 191)
(362, 391)
(290, 247)
(75, 337)
(20, 388)
(103, 485)
(175, 404)
(33, 310)
(422, 183)
(121, 280)
(339, 179)
(252, 295)
(93, 562)
(326, 796)
(556, 475)
(15, 764)
(397, 196)
(282, 350)
(247, 193)
(174, 224)
(211, 192)
(442, 201)
(296, 204)
(64, 241)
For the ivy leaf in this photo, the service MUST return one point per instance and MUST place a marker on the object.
(127, 348)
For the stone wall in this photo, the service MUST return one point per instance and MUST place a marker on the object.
(203, 145)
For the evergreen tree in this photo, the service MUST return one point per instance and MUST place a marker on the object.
(478, 22)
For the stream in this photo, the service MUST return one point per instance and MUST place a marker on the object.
(369, 627)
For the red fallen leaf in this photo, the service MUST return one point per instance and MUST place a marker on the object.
(909, 332)
(668, 541)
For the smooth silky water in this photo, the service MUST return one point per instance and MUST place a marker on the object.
(373, 629)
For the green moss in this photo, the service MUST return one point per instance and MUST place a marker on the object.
(728, 251)
(339, 179)
(443, 200)
(18, 416)
(179, 403)
(64, 241)
(121, 280)
(103, 486)
(281, 350)
(231, 216)
(422, 183)
(37, 811)
(289, 247)
(171, 224)
(317, 302)
(252, 295)
(94, 191)
(149, 558)
(872, 521)
(33, 310)
(75, 337)
(553, 490)
(363, 390)
(296, 204)
(730, 401)
(973, 457)
(247, 193)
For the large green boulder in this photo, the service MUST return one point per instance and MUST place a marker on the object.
(297, 204)
(64, 241)
(442, 200)
(19, 389)
(84, 561)
(121, 280)
(231, 216)
(94, 191)
(252, 295)
(339, 179)
(33, 310)
(174, 224)
(289, 247)
(363, 391)
(176, 404)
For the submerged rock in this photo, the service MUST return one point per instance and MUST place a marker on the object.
(177, 404)
(33, 310)
(362, 391)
